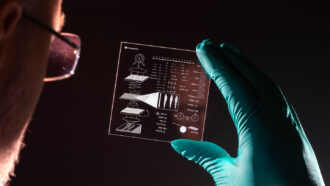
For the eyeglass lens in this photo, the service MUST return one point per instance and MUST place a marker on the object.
(62, 58)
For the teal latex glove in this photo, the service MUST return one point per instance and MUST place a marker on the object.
(273, 148)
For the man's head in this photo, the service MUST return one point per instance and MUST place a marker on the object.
(24, 50)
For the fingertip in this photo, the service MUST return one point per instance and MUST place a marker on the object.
(176, 144)
(206, 52)
(203, 46)
(186, 147)
(230, 47)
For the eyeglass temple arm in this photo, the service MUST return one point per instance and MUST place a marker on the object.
(49, 29)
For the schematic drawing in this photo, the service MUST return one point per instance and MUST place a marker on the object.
(184, 129)
(157, 100)
(160, 94)
(132, 112)
(181, 116)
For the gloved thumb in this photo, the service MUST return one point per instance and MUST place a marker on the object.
(206, 154)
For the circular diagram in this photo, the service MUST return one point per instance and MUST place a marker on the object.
(183, 129)
(194, 117)
(180, 116)
(139, 58)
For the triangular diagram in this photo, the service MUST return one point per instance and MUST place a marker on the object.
(150, 99)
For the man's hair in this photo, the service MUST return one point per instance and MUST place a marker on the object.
(25, 3)
(28, 4)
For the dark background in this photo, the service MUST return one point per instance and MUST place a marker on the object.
(67, 142)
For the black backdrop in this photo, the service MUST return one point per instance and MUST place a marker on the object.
(67, 142)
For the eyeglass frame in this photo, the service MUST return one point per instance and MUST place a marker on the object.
(49, 29)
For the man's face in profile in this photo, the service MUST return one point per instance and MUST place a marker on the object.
(24, 51)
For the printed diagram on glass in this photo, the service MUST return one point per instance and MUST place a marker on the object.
(160, 94)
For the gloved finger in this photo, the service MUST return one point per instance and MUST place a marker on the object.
(202, 152)
(261, 83)
(242, 64)
(238, 92)
(210, 156)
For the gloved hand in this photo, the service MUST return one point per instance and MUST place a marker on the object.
(273, 148)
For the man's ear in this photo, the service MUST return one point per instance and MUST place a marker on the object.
(10, 14)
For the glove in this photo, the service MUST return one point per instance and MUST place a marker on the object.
(273, 149)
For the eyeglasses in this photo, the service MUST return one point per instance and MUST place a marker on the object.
(64, 52)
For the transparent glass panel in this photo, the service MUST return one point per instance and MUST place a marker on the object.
(160, 94)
